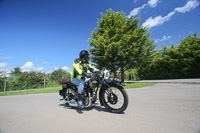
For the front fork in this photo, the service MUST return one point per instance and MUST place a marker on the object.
(101, 95)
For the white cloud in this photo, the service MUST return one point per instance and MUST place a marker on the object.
(66, 68)
(3, 65)
(29, 66)
(153, 3)
(135, 11)
(45, 62)
(55, 68)
(164, 38)
(39, 69)
(4, 71)
(63, 68)
(151, 22)
(191, 4)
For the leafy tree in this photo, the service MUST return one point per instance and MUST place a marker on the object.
(1, 84)
(182, 61)
(189, 50)
(4, 74)
(118, 43)
(28, 80)
(16, 71)
(13, 83)
(59, 74)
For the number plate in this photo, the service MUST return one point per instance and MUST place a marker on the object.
(106, 74)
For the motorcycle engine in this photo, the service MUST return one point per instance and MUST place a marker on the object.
(93, 83)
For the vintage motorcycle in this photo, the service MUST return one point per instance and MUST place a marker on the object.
(111, 94)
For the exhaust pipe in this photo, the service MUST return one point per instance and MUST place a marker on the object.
(73, 102)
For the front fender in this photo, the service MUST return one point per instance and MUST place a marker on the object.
(103, 87)
(111, 83)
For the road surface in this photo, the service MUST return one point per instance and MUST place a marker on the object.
(163, 108)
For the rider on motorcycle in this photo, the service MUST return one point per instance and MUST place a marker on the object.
(79, 72)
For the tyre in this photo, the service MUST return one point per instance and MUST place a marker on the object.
(115, 99)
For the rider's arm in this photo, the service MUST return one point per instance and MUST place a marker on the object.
(92, 68)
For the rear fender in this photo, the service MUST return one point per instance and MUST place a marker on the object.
(68, 85)
(71, 85)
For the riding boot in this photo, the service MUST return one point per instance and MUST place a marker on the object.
(80, 102)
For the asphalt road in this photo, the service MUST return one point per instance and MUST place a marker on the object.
(170, 81)
(163, 108)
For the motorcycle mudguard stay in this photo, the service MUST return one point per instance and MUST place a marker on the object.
(107, 85)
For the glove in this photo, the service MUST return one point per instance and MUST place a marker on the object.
(87, 75)
(96, 71)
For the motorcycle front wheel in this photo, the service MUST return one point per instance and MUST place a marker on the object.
(115, 99)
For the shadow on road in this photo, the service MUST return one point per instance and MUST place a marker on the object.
(73, 107)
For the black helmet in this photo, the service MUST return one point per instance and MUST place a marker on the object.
(84, 54)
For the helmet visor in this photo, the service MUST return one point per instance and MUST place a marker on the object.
(86, 57)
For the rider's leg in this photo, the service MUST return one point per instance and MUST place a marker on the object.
(80, 84)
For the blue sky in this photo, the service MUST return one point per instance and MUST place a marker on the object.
(42, 35)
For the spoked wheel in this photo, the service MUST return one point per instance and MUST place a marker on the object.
(115, 99)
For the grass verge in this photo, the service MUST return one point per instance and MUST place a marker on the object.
(55, 89)
(137, 85)
(31, 91)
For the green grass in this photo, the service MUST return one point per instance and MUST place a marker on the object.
(31, 91)
(137, 85)
(55, 89)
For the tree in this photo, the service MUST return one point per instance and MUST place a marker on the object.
(16, 71)
(1, 83)
(182, 61)
(28, 80)
(3, 74)
(118, 43)
(189, 50)
(59, 74)
(1, 80)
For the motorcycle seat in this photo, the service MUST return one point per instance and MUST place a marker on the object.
(65, 81)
